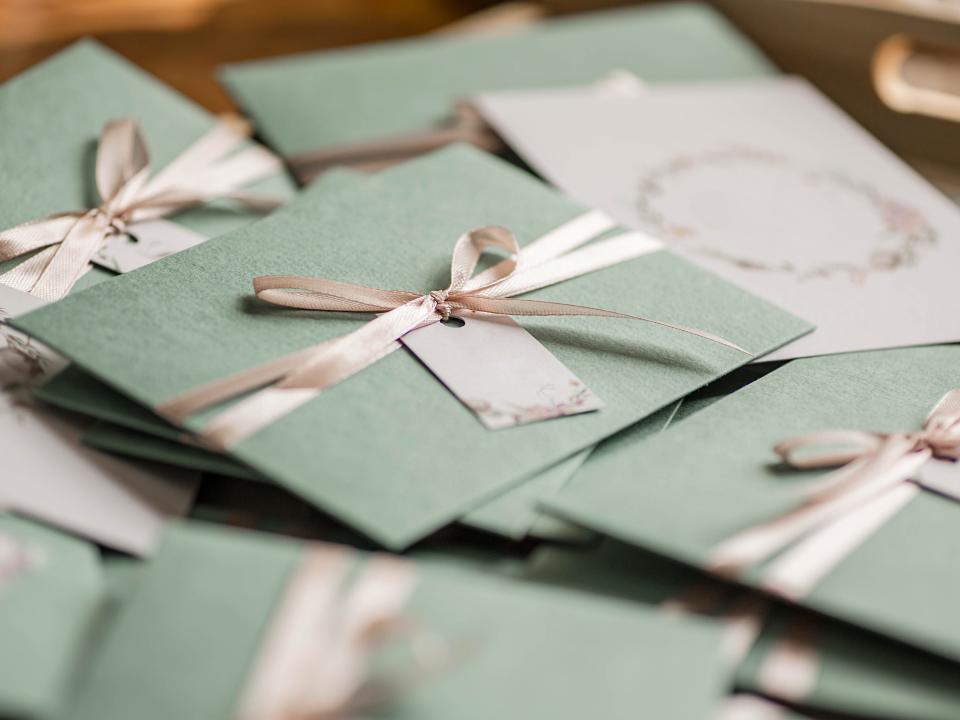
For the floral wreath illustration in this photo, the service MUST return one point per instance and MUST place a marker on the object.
(905, 228)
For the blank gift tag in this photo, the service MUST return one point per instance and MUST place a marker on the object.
(942, 477)
(500, 371)
(144, 243)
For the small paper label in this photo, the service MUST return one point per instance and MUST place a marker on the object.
(942, 477)
(500, 371)
(24, 363)
(145, 242)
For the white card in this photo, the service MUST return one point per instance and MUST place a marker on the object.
(766, 183)
(50, 475)
(500, 371)
(144, 243)
(942, 477)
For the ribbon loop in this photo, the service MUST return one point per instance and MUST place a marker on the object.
(872, 467)
(68, 241)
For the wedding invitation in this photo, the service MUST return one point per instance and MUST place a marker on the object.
(212, 603)
(795, 657)
(766, 183)
(880, 558)
(52, 116)
(400, 456)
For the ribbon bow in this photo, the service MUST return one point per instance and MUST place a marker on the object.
(844, 507)
(68, 241)
(551, 259)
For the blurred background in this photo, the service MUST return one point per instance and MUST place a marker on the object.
(892, 64)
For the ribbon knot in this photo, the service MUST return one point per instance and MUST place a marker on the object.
(63, 244)
(441, 305)
(841, 508)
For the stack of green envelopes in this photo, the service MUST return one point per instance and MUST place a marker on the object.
(608, 566)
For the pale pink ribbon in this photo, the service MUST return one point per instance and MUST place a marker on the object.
(315, 660)
(844, 508)
(68, 241)
(300, 376)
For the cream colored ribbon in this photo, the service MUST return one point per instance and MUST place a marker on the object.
(315, 660)
(68, 241)
(300, 376)
(844, 508)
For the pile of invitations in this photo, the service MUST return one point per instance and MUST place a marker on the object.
(587, 369)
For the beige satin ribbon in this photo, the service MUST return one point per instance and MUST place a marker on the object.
(465, 126)
(845, 507)
(68, 241)
(315, 660)
(300, 376)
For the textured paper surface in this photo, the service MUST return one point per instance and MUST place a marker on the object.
(500, 371)
(768, 184)
(859, 673)
(698, 483)
(205, 600)
(309, 102)
(170, 327)
(46, 614)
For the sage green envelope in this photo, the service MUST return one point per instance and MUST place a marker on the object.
(182, 646)
(319, 100)
(52, 116)
(390, 451)
(857, 672)
(47, 609)
(689, 488)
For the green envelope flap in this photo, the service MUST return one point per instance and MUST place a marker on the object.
(325, 99)
(52, 116)
(714, 474)
(184, 643)
(46, 613)
(390, 450)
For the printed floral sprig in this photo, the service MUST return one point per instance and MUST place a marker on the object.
(550, 407)
(23, 365)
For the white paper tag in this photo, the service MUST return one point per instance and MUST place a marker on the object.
(942, 477)
(144, 243)
(500, 371)
(24, 362)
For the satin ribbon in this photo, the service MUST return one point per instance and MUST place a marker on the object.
(68, 241)
(300, 376)
(466, 126)
(844, 508)
(315, 662)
